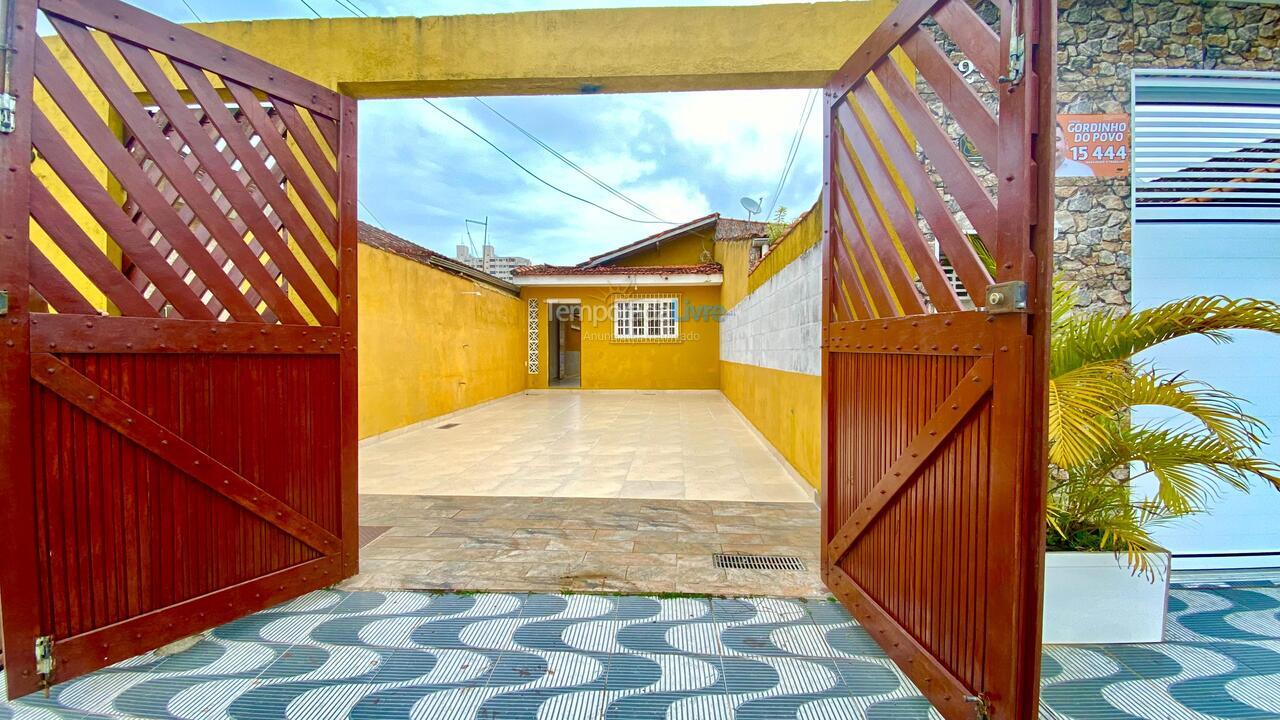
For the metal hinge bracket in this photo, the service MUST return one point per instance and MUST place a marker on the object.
(8, 113)
(981, 709)
(1006, 297)
(44, 659)
(1017, 49)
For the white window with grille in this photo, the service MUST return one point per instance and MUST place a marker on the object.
(646, 319)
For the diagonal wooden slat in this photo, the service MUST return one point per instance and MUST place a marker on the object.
(144, 128)
(945, 691)
(54, 287)
(306, 141)
(973, 274)
(956, 94)
(881, 242)
(903, 219)
(188, 216)
(225, 179)
(136, 426)
(844, 266)
(279, 149)
(252, 163)
(880, 300)
(87, 256)
(975, 386)
(841, 306)
(974, 37)
(118, 160)
(956, 174)
(328, 130)
(905, 15)
(93, 196)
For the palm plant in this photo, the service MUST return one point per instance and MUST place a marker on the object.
(1096, 448)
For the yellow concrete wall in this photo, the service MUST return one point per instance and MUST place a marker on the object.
(692, 248)
(566, 51)
(785, 407)
(429, 345)
(804, 234)
(735, 257)
(690, 363)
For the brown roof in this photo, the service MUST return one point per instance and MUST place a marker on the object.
(704, 269)
(643, 242)
(394, 244)
(378, 238)
(735, 229)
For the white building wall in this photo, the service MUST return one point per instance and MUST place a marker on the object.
(779, 326)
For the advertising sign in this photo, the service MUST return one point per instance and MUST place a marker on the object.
(1093, 146)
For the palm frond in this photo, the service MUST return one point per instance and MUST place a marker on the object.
(1083, 409)
(1220, 412)
(1083, 338)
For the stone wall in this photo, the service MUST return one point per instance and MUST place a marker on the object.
(1099, 42)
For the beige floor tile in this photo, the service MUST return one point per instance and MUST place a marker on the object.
(584, 444)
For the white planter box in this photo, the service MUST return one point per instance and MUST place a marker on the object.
(1093, 597)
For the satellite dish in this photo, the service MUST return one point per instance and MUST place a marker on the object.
(751, 206)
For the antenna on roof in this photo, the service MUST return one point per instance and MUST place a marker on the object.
(751, 206)
(468, 223)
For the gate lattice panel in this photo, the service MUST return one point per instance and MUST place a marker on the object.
(179, 349)
(934, 418)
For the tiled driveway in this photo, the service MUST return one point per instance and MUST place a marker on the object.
(675, 445)
(416, 655)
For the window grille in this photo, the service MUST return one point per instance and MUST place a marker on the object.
(646, 319)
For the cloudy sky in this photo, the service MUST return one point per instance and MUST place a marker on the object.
(680, 155)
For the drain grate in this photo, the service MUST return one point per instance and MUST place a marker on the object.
(446, 426)
(732, 561)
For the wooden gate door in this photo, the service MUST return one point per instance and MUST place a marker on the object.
(178, 375)
(940, 148)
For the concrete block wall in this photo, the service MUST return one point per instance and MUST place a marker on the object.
(779, 326)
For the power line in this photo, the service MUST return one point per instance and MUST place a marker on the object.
(515, 162)
(534, 175)
(313, 10)
(600, 183)
(193, 11)
(792, 151)
(376, 220)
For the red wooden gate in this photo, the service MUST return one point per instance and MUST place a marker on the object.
(940, 141)
(178, 375)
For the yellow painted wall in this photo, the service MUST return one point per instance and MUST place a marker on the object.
(653, 49)
(734, 257)
(692, 248)
(429, 345)
(785, 407)
(690, 363)
(804, 234)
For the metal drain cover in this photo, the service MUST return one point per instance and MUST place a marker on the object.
(733, 561)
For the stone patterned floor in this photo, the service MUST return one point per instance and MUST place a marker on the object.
(673, 445)
(583, 544)
(334, 654)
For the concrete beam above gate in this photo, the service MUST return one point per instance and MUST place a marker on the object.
(567, 51)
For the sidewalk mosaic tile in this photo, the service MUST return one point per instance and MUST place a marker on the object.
(366, 655)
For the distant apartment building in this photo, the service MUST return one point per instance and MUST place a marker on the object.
(489, 261)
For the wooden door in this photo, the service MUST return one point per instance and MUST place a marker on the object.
(178, 385)
(940, 146)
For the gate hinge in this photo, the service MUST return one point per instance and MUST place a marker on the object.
(8, 113)
(44, 659)
(1017, 49)
(980, 707)
(1006, 297)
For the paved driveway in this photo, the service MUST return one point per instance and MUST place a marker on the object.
(678, 445)
(442, 656)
